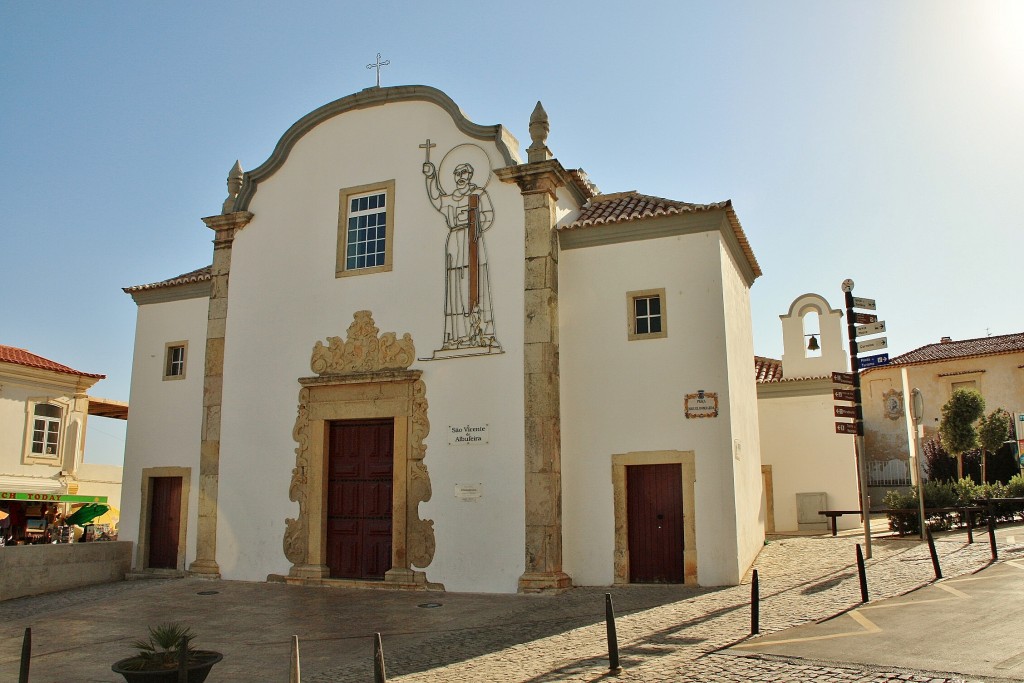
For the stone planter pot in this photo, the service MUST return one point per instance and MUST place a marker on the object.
(197, 672)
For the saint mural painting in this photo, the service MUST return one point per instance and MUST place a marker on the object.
(468, 213)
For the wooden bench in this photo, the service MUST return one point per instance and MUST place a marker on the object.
(833, 515)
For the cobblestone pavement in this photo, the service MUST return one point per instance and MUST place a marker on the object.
(665, 633)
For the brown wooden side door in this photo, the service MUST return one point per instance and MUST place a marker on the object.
(164, 522)
(654, 509)
(359, 507)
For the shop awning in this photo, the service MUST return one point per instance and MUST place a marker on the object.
(36, 497)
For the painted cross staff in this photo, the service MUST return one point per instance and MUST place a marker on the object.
(427, 145)
(377, 66)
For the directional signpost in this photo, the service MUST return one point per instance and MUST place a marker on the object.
(859, 326)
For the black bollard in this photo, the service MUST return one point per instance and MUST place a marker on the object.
(379, 675)
(26, 655)
(992, 537)
(970, 527)
(863, 575)
(935, 555)
(613, 638)
(755, 605)
(183, 661)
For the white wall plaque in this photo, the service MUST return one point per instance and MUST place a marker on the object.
(468, 493)
(465, 435)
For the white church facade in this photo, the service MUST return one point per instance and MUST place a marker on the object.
(419, 359)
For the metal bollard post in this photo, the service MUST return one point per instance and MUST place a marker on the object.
(183, 661)
(379, 674)
(863, 575)
(26, 656)
(935, 555)
(293, 673)
(613, 638)
(992, 537)
(970, 527)
(755, 605)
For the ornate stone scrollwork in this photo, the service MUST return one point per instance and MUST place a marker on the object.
(363, 351)
(350, 376)
(295, 529)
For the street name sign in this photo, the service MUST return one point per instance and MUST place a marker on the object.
(866, 304)
(845, 394)
(873, 361)
(847, 428)
(876, 344)
(873, 328)
(843, 378)
(846, 411)
(864, 318)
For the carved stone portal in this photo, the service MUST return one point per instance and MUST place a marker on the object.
(366, 376)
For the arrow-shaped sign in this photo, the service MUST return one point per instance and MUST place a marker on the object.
(848, 428)
(864, 318)
(847, 411)
(846, 395)
(866, 304)
(843, 378)
(874, 328)
(875, 344)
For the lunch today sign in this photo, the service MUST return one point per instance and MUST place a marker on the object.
(50, 497)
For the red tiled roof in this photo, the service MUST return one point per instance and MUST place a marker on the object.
(12, 354)
(966, 348)
(583, 182)
(621, 207)
(767, 370)
(197, 275)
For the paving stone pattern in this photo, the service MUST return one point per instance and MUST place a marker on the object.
(666, 632)
(801, 579)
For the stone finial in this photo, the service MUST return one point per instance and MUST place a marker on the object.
(539, 129)
(234, 186)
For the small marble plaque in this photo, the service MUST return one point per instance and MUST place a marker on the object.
(469, 493)
(467, 434)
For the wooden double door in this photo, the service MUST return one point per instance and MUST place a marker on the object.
(359, 498)
(654, 509)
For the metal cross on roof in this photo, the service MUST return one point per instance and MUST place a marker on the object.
(377, 66)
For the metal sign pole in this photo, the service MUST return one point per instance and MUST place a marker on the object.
(858, 442)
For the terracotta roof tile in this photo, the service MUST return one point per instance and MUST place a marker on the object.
(622, 207)
(767, 370)
(583, 182)
(16, 356)
(197, 275)
(966, 348)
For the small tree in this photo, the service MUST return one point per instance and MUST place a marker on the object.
(956, 429)
(993, 430)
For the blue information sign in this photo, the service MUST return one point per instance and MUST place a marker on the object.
(873, 361)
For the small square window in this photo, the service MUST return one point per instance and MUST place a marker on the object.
(365, 229)
(645, 314)
(175, 356)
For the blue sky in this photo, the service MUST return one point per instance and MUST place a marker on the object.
(880, 141)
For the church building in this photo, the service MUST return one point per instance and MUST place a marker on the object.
(421, 360)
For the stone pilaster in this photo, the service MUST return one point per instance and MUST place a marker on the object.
(538, 182)
(225, 226)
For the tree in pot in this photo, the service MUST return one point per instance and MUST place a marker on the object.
(159, 658)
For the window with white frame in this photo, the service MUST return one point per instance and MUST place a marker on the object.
(46, 421)
(646, 314)
(175, 356)
(365, 229)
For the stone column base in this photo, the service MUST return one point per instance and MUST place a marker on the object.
(204, 569)
(543, 582)
(405, 576)
(309, 571)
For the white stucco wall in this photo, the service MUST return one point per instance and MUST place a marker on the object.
(14, 398)
(284, 297)
(166, 415)
(741, 410)
(798, 440)
(621, 396)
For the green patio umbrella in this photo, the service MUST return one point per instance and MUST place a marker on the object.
(86, 513)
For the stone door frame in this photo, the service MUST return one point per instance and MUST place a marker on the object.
(689, 474)
(142, 548)
(396, 394)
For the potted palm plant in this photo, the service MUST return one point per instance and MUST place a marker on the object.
(158, 658)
